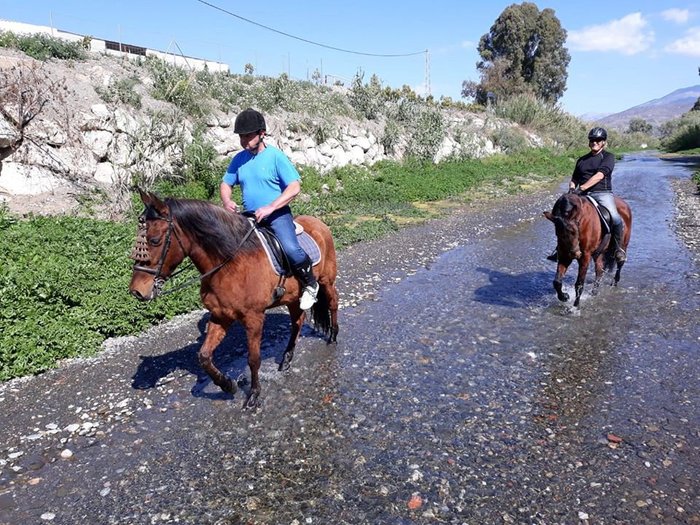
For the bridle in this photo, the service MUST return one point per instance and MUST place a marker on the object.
(140, 254)
(140, 251)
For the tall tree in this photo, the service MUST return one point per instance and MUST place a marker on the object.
(523, 52)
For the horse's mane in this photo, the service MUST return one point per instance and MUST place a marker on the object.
(218, 231)
(567, 207)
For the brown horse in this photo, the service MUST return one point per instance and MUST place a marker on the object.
(238, 282)
(582, 236)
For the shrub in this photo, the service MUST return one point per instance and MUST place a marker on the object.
(42, 47)
(179, 87)
(685, 134)
(545, 118)
(426, 133)
(122, 91)
(367, 100)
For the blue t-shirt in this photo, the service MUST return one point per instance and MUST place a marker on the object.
(263, 177)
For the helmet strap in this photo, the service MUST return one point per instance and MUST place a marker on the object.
(261, 144)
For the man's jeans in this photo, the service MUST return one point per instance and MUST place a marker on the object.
(282, 223)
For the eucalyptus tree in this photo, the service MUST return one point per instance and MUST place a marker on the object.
(523, 52)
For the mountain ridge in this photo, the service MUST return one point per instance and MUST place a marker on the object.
(656, 111)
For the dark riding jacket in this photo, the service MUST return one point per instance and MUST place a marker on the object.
(589, 165)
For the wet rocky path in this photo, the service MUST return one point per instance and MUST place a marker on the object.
(461, 391)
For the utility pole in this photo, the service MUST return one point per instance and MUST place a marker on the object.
(427, 73)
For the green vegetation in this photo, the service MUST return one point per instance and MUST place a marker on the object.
(63, 285)
(543, 118)
(122, 91)
(43, 47)
(523, 53)
(63, 291)
(682, 133)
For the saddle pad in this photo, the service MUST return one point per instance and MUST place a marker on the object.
(307, 243)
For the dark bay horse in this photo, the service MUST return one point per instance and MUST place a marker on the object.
(237, 279)
(582, 237)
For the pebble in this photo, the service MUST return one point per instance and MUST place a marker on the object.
(66, 453)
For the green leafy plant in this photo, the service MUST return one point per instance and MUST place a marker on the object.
(685, 134)
(121, 90)
(42, 47)
(366, 99)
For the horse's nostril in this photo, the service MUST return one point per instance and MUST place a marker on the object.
(137, 294)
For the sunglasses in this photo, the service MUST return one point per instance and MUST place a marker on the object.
(590, 141)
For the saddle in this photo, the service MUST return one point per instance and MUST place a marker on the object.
(275, 253)
(603, 213)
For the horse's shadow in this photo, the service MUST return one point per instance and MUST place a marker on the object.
(154, 371)
(514, 290)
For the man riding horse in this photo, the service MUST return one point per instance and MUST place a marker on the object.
(269, 182)
(593, 176)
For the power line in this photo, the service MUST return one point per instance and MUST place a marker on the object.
(310, 41)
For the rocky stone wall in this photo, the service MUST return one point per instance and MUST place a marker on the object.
(85, 142)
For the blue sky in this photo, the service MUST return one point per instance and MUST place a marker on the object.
(623, 53)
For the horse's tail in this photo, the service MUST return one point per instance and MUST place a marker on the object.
(321, 313)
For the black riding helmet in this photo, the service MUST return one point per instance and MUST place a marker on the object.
(597, 134)
(249, 121)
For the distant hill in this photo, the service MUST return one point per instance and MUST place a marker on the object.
(656, 111)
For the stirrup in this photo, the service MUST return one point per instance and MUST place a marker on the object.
(309, 297)
(553, 256)
(620, 255)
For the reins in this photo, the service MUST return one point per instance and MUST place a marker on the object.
(216, 268)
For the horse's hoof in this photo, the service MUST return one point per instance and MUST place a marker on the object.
(252, 402)
(333, 337)
(229, 387)
(285, 365)
(563, 297)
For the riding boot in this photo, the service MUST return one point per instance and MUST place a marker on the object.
(308, 282)
(620, 254)
(553, 256)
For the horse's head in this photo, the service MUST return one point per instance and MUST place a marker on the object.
(157, 251)
(565, 216)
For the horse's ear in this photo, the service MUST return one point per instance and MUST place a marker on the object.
(549, 215)
(159, 205)
(152, 200)
(145, 198)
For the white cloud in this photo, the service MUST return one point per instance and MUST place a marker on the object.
(679, 16)
(628, 35)
(688, 45)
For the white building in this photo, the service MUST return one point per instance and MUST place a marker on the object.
(113, 48)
